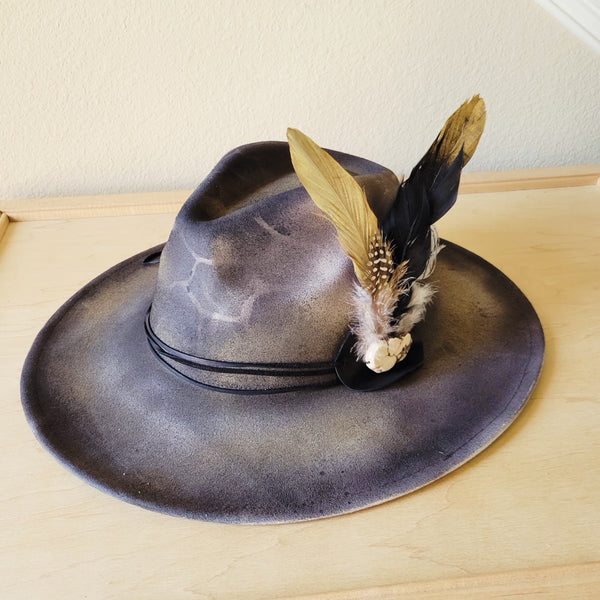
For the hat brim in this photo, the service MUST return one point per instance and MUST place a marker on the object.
(100, 401)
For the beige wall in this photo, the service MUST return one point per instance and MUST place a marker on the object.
(129, 96)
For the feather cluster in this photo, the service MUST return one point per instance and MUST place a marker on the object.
(394, 256)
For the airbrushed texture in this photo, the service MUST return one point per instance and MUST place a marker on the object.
(98, 398)
(253, 272)
(104, 97)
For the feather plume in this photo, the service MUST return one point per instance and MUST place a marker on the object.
(391, 258)
(427, 194)
(340, 197)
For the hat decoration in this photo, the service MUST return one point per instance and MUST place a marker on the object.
(394, 255)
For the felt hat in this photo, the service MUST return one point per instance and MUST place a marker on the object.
(202, 378)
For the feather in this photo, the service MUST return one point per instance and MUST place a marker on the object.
(391, 257)
(340, 197)
(421, 296)
(439, 170)
(462, 131)
(427, 194)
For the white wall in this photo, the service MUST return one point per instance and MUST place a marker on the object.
(109, 96)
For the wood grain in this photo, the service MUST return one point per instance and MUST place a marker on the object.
(521, 519)
(77, 207)
(529, 179)
(575, 582)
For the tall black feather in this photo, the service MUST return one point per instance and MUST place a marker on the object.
(425, 196)
(431, 190)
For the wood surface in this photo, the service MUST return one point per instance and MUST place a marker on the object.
(529, 179)
(574, 581)
(522, 519)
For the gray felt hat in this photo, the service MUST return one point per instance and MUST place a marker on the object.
(199, 378)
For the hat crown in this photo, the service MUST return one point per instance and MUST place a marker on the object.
(252, 271)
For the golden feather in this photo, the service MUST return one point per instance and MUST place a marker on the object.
(462, 130)
(340, 197)
(380, 280)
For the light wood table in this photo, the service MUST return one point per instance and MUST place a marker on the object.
(522, 518)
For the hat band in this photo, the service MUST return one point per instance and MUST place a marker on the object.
(315, 374)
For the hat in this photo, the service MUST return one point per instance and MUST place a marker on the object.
(251, 370)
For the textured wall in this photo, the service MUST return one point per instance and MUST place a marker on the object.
(133, 96)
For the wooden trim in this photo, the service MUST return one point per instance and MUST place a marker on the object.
(105, 205)
(38, 209)
(3, 223)
(576, 582)
(530, 179)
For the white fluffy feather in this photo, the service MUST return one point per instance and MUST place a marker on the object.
(372, 316)
(435, 249)
(421, 293)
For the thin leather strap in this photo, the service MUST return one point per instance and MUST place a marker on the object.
(297, 370)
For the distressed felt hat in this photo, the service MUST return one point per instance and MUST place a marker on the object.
(217, 376)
